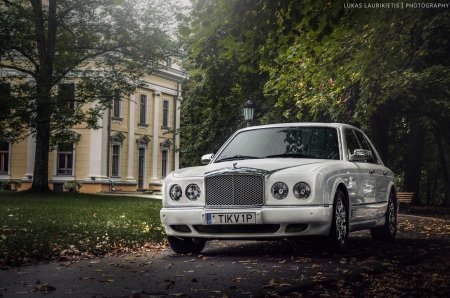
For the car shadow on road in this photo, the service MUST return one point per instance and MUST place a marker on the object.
(361, 247)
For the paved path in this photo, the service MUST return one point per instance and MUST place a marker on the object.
(226, 268)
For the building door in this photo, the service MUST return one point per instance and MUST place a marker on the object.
(141, 166)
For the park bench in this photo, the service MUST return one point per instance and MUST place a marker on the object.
(405, 197)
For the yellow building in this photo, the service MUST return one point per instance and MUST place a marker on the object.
(133, 150)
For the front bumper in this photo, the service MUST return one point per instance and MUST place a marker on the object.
(271, 222)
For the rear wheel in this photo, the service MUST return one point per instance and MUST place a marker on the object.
(388, 231)
(184, 245)
(338, 236)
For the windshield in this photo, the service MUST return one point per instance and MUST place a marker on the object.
(289, 142)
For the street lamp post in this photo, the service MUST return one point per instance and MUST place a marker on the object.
(249, 110)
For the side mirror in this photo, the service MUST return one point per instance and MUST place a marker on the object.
(361, 155)
(206, 158)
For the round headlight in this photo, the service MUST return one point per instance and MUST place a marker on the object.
(192, 192)
(175, 192)
(279, 190)
(302, 190)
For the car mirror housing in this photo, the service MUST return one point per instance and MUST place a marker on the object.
(361, 155)
(206, 158)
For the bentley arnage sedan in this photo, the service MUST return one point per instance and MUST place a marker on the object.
(282, 181)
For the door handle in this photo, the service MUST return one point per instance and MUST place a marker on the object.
(371, 171)
(385, 173)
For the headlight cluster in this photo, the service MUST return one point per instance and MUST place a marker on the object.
(192, 192)
(280, 190)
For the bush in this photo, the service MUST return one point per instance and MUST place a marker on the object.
(10, 185)
(72, 186)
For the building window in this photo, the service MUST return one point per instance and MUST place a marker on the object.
(165, 114)
(116, 104)
(4, 158)
(115, 160)
(164, 164)
(143, 109)
(67, 96)
(65, 159)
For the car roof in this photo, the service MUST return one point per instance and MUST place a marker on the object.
(300, 124)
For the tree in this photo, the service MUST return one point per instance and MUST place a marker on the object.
(387, 72)
(101, 45)
(223, 40)
(384, 70)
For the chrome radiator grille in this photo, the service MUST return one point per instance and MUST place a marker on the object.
(228, 190)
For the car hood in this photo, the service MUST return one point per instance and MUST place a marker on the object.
(265, 166)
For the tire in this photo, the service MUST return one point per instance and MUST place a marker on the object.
(182, 245)
(338, 236)
(388, 231)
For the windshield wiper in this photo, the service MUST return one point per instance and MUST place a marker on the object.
(237, 157)
(293, 155)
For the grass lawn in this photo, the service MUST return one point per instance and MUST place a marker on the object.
(35, 227)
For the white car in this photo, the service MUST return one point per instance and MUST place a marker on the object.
(280, 181)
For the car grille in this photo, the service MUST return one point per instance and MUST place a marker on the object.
(228, 190)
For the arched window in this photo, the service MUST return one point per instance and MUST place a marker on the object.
(116, 144)
(165, 147)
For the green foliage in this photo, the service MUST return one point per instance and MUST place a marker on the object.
(58, 226)
(222, 39)
(10, 185)
(385, 70)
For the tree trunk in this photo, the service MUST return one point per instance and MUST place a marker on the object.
(40, 173)
(45, 39)
(414, 149)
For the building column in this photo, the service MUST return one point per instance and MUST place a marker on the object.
(31, 150)
(131, 140)
(97, 151)
(155, 178)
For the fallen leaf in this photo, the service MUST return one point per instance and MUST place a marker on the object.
(45, 288)
(191, 260)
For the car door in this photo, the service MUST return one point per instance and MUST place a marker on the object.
(379, 171)
(365, 181)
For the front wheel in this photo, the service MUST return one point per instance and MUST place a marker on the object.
(388, 231)
(338, 236)
(184, 245)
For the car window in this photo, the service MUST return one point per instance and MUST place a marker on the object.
(365, 144)
(356, 140)
(352, 141)
(289, 142)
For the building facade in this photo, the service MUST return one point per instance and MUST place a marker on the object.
(134, 149)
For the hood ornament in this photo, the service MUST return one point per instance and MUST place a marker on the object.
(234, 166)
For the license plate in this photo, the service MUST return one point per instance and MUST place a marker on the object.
(230, 218)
